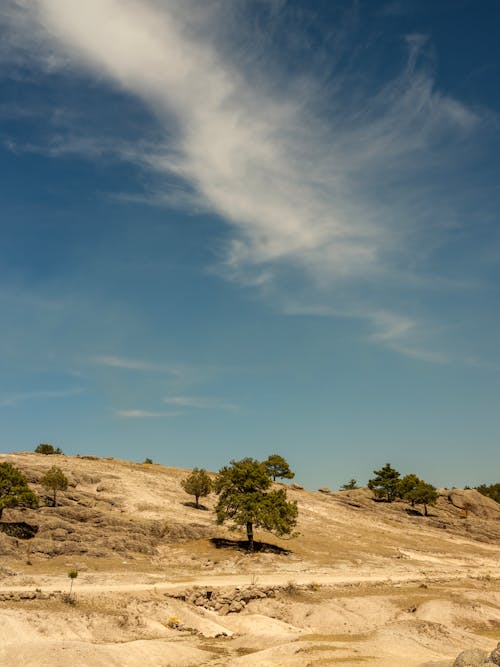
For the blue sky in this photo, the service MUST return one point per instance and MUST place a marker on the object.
(236, 228)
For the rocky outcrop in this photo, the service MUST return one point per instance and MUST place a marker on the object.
(476, 657)
(226, 600)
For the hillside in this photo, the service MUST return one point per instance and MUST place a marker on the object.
(159, 583)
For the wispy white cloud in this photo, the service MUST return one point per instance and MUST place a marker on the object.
(332, 191)
(134, 364)
(15, 398)
(144, 414)
(200, 402)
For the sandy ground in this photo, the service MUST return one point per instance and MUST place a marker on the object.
(363, 584)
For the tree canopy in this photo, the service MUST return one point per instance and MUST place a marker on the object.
(54, 480)
(350, 485)
(14, 489)
(276, 466)
(47, 449)
(490, 490)
(197, 484)
(245, 500)
(385, 484)
(423, 494)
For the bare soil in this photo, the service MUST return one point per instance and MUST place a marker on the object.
(365, 582)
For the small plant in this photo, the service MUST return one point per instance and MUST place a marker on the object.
(148, 461)
(54, 480)
(173, 623)
(291, 587)
(350, 485)
(314, 586)
(72, 574)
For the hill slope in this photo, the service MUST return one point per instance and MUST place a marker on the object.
(364, 580)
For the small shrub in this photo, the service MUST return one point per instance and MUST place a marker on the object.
(45, 448)
(72, 574)
(291, 587)
(173, 623)
(148, 461)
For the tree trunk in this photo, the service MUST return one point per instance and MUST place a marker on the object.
(425, 510)
(250, 535)
(1, 511)
(55, 491)
(196, 502)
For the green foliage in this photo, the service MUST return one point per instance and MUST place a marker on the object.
(423, 494)
(198, 484)
(54, 480)
(276, 466)
(45, 448)
(385, 484)
(148, 461)
(14, 489)
(490, 490)
(406, 485)
(245, 500)
(350, 485)
(72, 574)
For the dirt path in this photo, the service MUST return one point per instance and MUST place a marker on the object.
(222, 581)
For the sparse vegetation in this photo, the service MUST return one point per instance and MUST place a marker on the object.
(148, 461)
(47, 449)
(72, 574)
(350, 485)
(54, 480)
(490, 490)
(387, 485)
(198, 484)
(14, 489)
(277, 467)
(244, 500)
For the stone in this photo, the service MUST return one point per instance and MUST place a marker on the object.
(471, 657)
(495, 655)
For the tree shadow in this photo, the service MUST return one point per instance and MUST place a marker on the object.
(200, 506)
(19, 529)
(242, 545)
(414, 512)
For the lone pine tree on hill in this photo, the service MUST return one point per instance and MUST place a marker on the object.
(244, 500)
(14, 489)
(198, 484)
(385, 484)
(54, 480)
(276, 466)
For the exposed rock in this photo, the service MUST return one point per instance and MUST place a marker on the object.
(471, 657)
(324, 489)
(472, 502)
(495, 655)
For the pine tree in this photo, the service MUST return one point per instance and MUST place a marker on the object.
(244, 500)
(276, 466)
(14, 489)
(385, 484)
(54, 480)
(198, 484)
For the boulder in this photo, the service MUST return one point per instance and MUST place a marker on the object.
(495, 655)
(471, 657)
